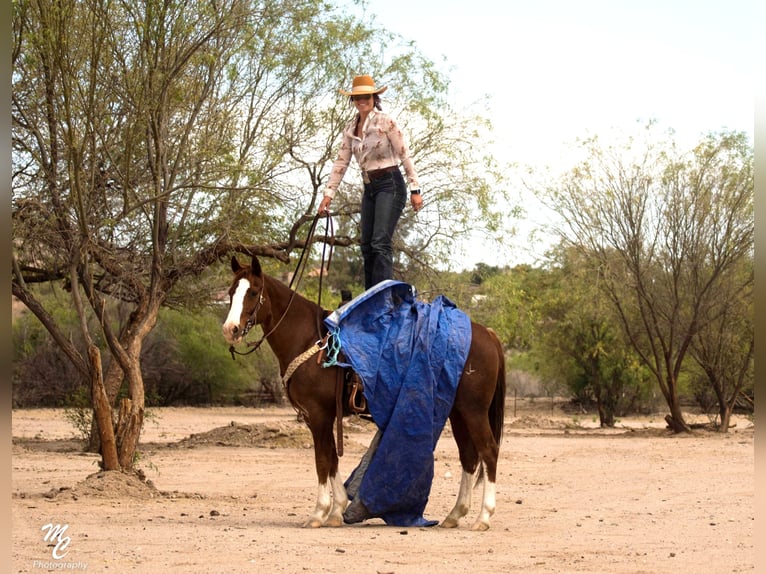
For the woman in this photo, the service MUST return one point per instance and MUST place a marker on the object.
(377, 143)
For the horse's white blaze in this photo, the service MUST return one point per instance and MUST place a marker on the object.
(235, 311)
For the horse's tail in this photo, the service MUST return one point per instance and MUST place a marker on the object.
(497, 406)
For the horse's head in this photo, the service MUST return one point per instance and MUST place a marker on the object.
(246, 299)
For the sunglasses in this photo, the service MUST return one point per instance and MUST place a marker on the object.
(360, 98)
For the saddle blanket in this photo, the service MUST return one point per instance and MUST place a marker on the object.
(409, 355)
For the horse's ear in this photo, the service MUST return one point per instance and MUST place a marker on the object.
(235, 265)
(255, 266)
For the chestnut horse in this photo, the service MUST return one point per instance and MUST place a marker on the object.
(290, 323)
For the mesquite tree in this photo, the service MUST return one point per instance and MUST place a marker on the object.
(669, 233)
(138, 130)
(151, 138)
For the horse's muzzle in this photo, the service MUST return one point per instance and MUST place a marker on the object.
(232, 333)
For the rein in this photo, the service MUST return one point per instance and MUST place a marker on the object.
(298, 274)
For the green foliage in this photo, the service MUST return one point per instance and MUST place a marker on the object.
(205, 369)
(183, 361)
(42, 374)
(78, 411)
(508, 304)
(482, 272)
(561, 329)
(582, 331)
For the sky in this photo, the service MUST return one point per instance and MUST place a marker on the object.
(559, 70)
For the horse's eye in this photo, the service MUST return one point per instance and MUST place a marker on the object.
(252, 293)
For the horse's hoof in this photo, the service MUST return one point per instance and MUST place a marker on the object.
(449, 523)
(480, 526)
(334, 521)
(313, 523)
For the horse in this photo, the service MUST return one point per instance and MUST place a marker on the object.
(290, 324)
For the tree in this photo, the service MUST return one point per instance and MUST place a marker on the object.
(126, 121)
(582, 339)
(666, 230)
(725, 344)
(149, 139)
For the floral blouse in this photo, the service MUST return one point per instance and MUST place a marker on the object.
(382, 145)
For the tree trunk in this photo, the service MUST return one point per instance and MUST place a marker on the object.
(603, 394)
(605, 416)
(102, 413)
(127, 370)
(112, 381)
(129, 424)
(606, 406)
(725, 414)
(131, 418)
(676, 421)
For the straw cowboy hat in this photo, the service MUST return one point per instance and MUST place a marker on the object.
(363, 85)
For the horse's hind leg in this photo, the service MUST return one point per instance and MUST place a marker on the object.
(463, 504)
(487, 504)
(470, 430)
(468, 461)
(488, 451)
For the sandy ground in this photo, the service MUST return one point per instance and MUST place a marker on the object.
(233, 498)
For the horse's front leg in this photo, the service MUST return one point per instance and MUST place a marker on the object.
(331, 493)
(340, 501)
(331, 502)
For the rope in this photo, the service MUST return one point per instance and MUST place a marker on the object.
(333, 348)
(299, 360)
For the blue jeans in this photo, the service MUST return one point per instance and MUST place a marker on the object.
(383, 201)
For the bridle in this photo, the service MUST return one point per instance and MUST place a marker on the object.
(250, 323)
(299, 269)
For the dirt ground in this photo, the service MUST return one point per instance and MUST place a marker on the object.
(228, 489)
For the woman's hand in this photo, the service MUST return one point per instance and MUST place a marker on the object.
(324, 205)
(417, 201)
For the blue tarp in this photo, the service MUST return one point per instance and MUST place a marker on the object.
(409, 355)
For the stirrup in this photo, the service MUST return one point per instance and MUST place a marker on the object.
(357, 403)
